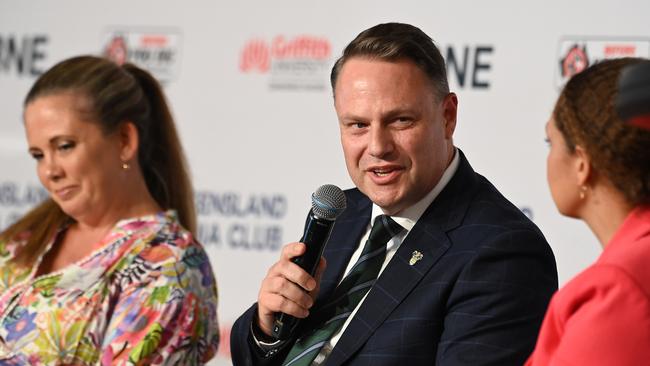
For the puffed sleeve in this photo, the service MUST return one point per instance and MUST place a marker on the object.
(165, 311)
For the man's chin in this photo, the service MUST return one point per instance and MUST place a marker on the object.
(388, 203)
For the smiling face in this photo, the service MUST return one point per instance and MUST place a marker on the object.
(76, 162)
(395, 132)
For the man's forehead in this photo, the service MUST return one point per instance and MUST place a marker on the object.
(361, 74)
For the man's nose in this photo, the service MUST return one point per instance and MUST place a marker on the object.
(381, 141)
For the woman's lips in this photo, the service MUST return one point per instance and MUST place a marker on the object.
(65, 192)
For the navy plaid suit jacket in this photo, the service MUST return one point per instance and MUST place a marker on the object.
(477, 296)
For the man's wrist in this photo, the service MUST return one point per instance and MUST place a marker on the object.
(267, 344)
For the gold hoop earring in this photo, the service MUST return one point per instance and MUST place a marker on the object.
(125, 165)
(583, 192)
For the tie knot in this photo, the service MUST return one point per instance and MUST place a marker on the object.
(383, 229)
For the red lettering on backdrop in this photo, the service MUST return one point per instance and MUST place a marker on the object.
(255, 55)
(300, 47)
(153, 40)
(620, 50)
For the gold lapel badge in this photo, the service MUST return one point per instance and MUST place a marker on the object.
(415, 257)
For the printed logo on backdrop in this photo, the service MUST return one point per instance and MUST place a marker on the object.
(23, 55)
(577, 53)
(289, 63)
(229, 220)
(239, 221)
(156, 50)
(16, 198)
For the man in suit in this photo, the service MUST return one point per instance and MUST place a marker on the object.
(450, 273)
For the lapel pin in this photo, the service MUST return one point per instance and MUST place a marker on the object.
(415, 257)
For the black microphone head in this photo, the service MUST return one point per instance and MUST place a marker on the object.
(633, 100)
(328, 201)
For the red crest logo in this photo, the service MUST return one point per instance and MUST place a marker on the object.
(575, 61)
(116, 50)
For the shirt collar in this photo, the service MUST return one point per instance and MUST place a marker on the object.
(409, 216)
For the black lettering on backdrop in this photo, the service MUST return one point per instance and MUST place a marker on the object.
(37, 54)
(140, 55)
(471, 61)
(16, 199)
(209, 234)
(239, 221)
(13, 194)
(478, 65)
(453, 65)
(166, 56)
(233, 204)
(24, 54)
(254, 237)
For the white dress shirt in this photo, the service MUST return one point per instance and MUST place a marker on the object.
(407, 220)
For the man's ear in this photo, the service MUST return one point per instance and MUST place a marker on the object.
(584, 171)
(129, 141)
(449, 107)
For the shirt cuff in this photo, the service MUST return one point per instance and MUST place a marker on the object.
(264, 343)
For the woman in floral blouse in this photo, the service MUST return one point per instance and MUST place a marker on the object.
(106, 271)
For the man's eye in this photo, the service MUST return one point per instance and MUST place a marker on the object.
(36, 155)
(404, 120)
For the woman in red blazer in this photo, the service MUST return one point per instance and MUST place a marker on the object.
(598, 171)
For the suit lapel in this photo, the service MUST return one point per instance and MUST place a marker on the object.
(401, 275)
(396, 281)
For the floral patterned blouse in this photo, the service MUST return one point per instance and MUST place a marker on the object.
(145, 296)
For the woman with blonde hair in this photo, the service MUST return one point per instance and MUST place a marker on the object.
(107, 270)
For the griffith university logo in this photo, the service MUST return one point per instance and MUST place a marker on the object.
(156, 50)
(577, 53)
(292, 63)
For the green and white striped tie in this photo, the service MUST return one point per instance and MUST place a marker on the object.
(327, 319)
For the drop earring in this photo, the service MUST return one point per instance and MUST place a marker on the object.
(583, 192)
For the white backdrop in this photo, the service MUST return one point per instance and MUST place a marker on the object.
(248, 84)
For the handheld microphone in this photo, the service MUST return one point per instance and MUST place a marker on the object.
(633, 99)
(327, 203)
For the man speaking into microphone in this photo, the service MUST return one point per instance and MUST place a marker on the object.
(428, 263)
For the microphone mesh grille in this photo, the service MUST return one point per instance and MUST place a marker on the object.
(328, 201)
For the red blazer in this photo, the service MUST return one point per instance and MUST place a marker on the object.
(602, 317)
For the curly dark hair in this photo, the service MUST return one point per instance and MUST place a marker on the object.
(585, 115)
